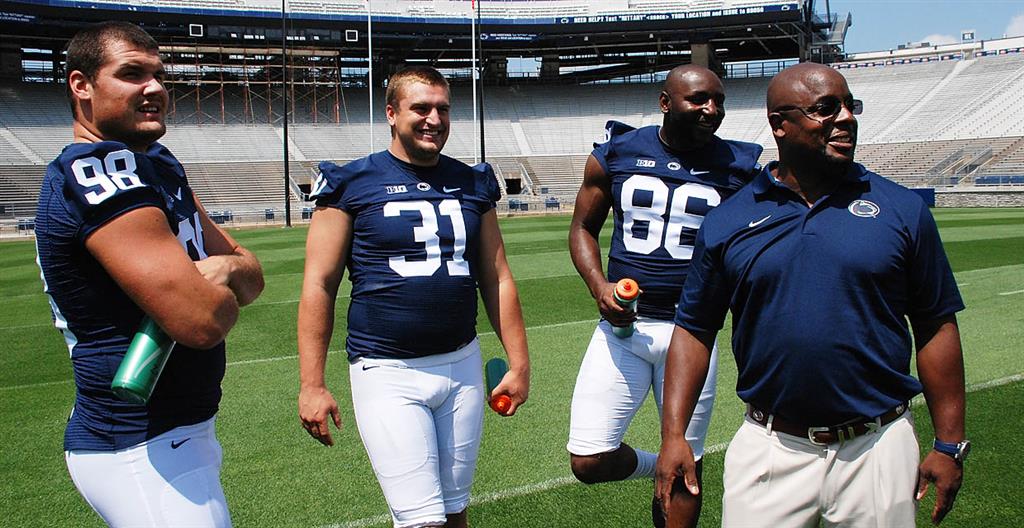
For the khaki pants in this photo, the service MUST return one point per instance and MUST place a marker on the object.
(774, 479)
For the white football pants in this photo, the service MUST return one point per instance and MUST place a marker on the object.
(170, 481)
(420, 420)
(613, 382)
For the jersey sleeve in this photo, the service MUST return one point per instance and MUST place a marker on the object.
(492, 191)
(933, 292)
(752, 153)
(162, 157)
(329, 187)
(105, 180)
(744, 158)
(604, 149)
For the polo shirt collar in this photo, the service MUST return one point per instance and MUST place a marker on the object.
(765, 182)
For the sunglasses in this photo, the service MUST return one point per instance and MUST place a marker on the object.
(826, 110)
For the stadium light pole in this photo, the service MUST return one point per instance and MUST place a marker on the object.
(284, 90)
(472, 72)
(369, 66)
(480, 92)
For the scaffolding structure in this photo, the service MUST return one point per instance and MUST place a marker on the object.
(234, 85)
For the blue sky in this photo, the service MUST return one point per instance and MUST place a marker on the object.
(884, 24)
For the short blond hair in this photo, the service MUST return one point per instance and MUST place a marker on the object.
(409, 75)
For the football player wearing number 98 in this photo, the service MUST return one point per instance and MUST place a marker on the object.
(659, 182)
(419, 235)
(119, 236)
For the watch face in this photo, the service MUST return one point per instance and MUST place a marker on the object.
(963, 449)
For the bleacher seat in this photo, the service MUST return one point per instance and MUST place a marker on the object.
(932, 123)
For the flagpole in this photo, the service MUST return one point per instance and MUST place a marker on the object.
(284, 119)
(476, 133)
(483, 149)
(369, 63)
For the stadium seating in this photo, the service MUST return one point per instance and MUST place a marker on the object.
(244, 186)
(929, 123)
(9, 155)
(19, 190)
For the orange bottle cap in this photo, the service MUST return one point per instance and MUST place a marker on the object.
(627, 289)
(501, 404)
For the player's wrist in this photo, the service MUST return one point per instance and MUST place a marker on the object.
(958, 451)
(312, 385)
(672, 431)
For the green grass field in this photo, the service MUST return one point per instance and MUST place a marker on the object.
(275, 475)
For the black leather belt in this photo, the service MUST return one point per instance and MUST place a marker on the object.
(828, 434)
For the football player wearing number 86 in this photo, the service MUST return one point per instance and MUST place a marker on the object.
(418, 232)
(120, 236)
(659, 182)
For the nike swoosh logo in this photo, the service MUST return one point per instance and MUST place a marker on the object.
(453, 189)
(759, 222)
(698, 172)
(178, 195)
(368, 367)
(175, 445)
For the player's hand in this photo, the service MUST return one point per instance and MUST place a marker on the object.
(611, 310)
(675, 460)
(216, 269)
(315, 405)
(516, 385)
(947, 476)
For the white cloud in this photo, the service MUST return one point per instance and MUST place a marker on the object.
(937, 39)
(1016, 26)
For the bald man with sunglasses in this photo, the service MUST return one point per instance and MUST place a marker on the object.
(821, 263)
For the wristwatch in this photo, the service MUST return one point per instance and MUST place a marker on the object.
(957, 451)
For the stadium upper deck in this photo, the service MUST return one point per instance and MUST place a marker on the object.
(615, 37)
(499, 12)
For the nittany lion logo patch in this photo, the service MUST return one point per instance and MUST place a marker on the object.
(864, 209)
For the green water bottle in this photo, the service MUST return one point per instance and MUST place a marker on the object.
(494, 371)
(142, 364)
(627, 292)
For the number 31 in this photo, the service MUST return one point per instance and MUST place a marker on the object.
(427, 233)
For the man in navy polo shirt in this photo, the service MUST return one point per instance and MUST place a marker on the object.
(821, 263)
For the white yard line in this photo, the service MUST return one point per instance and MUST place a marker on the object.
(1011, 292)
(19, 327)
(550, 484)
(347, 296)
(293, 356)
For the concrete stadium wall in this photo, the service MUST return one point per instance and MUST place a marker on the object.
(979, 198)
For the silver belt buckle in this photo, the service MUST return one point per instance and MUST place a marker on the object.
(811, 431)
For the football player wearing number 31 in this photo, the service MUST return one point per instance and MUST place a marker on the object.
(660, 182)
(419, 234)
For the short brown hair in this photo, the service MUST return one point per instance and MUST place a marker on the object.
(411, 74)
(87, 51)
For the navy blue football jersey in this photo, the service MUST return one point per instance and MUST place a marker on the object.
(414, 251)
(659, 200)
(88, 185)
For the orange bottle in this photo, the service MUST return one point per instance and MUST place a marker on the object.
(627, 291)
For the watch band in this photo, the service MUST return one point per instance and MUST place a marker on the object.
(957, 451)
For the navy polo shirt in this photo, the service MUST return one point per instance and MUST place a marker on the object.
(820, 295)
